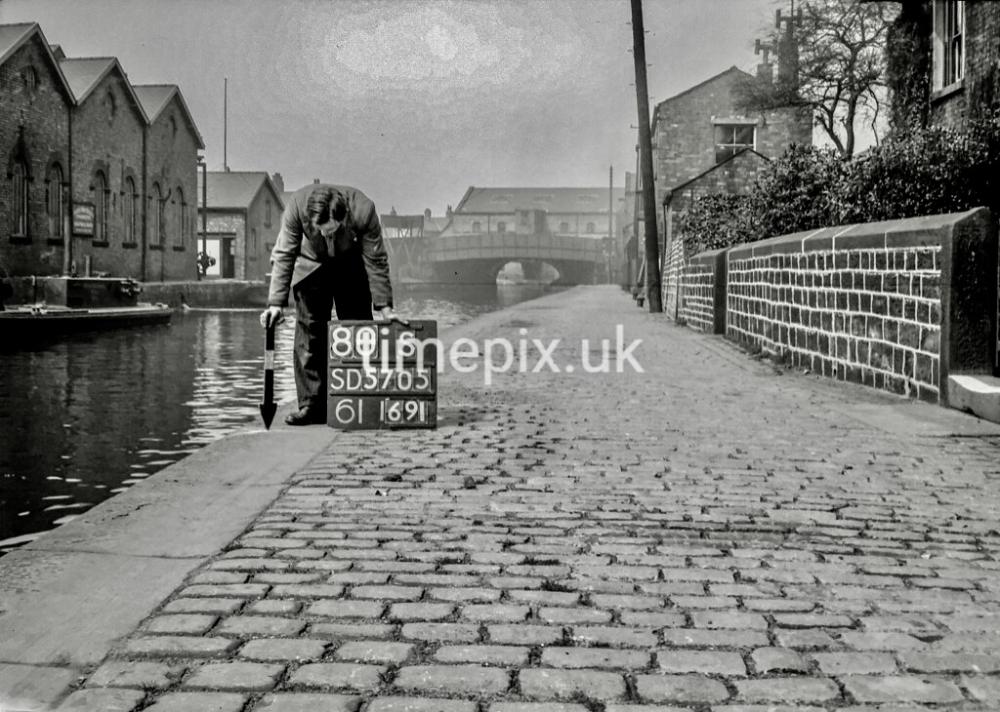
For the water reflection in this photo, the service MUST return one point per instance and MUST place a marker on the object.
(91, 414)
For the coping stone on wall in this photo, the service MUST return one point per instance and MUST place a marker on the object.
(904, 232)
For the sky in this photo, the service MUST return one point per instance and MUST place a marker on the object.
(411, 101)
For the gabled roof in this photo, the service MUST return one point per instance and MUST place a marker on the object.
(13, 37)
(84, 74)
(732, 70)
(553, 200)
(237, 189)
(748, 152)
(156, 97)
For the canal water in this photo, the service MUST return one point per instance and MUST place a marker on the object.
(89, 415)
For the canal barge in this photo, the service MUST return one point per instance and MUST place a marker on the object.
(61, 304)
(43, 320)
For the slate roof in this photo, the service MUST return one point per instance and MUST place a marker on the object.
(83, 74)
(553, 200)
(156, 97)
(14, 35)
(236, 189)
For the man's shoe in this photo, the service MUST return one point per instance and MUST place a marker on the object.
(305, 416)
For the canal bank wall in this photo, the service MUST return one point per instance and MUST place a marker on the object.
(704, 533)
(207, 293)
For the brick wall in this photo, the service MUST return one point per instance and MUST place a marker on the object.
(172, 162)
(897, 305)
(703, 286)
(110, 142)
(44, 114)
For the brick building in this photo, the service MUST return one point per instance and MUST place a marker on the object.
(953, 77)
(107, 138)
(121, 201)
(704, 144)
(244, 216)
(171, 184)
(701, 131)
(34, 146)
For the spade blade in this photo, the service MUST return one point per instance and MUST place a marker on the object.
(267, 411)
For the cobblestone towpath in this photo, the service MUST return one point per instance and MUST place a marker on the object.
(708, 535)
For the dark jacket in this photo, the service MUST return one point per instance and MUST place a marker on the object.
(299, 251)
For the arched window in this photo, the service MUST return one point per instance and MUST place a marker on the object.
(253, 242)
(55, 203)
(102, 197)
(182, 218)
(156, 216)
(501, 226)
(267, 213)
(590, 228)
(111, 105)
(130, 205)
(19, 199)
(564, 227)
(477, 226)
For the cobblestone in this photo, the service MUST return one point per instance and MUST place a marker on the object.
(103, 700)
(680, 688)
(254, 677)
(703, 536)
(549, 684)
(307, 702)
(788, 689)
(338, 675)
(454, 679)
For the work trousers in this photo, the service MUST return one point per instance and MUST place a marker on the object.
(340, 283)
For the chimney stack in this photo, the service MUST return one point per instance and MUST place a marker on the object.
(279, 182)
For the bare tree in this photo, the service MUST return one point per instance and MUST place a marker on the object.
(832, 61)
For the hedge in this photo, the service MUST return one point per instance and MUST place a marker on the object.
(924, 172)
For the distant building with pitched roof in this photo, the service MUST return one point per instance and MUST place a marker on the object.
(243, 210)
(581, 212)
(121, 201)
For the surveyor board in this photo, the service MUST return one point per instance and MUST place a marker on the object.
(382, 375)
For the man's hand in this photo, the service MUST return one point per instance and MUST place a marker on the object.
(272, 316)
(387, 314)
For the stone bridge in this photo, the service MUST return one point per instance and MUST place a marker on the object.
(477, 258)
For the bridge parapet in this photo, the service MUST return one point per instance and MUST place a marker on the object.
(514, 247)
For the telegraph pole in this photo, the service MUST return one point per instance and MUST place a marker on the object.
(225, 124)
(646, 162)
(611, 252)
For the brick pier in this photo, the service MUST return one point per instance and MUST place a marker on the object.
(710, 535)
